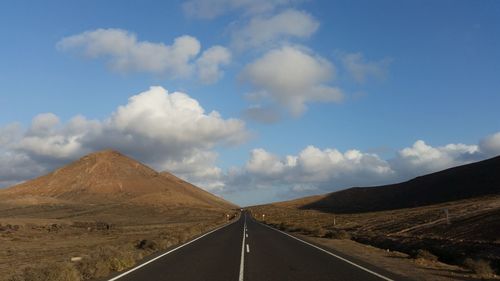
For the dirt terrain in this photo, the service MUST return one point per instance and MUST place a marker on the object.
(100, 214)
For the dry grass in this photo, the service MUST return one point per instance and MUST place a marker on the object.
(49, 272)
(424, 255)
(51, 235)
(480, 267)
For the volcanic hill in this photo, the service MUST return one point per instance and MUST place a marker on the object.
(111, 177)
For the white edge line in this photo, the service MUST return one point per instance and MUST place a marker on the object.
(242, 260)
(332, 254)
(164, 254)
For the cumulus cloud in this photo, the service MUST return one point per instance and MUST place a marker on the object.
(209, 9)
(46, 140)
(166, 130)
(183, 137)
(422, 158)
(314, 170)
(198, 168)
(125, 53)
(361, 69)
(310, 169)
(209, 64)
(292, 77)
(16, 167)
(265, 30)
(264, 163)
(490, 145)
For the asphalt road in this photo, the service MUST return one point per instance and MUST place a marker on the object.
(249, 251)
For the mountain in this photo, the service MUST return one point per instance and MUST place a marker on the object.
(111, 177)
(462, 182)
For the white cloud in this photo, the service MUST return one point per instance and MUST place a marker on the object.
(361, 70)
(264, 163)
(17, 167)
(124, 53)
(209, 64)
(183, 136)
(422, 158)
(173, 123)
(292, 77)
(10, 133)
(198, 168)
(490, 145)
(264, 30)
(209, 9)
(166, 130)
(47, 140)
(310, 170)
(43, 124)
(314, 170)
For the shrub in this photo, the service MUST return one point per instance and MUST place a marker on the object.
(424, 254)
(318, 232)
(104, 261)
(118, 260)
(91, 268)
(51, 272)
(282, 226)
(481, 267)
(182, 237)
(166, 242)
(338, 234)
(146, 244)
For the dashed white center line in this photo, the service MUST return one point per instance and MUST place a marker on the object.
(248, 249)
(246, 235)
(242, 261)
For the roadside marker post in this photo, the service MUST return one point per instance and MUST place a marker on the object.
(447, 214)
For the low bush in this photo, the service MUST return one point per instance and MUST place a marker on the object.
(90, 268)
(424, 254)
(50, 272)
(282, 226)
(480, 267)
(147, 244)
(337, 234)
(182, 237)
(104, 261)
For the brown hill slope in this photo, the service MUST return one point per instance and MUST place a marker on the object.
(462, 182)
(111, 177)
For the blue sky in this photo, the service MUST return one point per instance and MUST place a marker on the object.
(313, 96)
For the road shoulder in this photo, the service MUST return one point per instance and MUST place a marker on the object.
(395, 262)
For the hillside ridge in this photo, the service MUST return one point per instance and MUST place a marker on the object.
(462, 182)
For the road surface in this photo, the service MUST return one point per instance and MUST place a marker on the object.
(249, 251)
